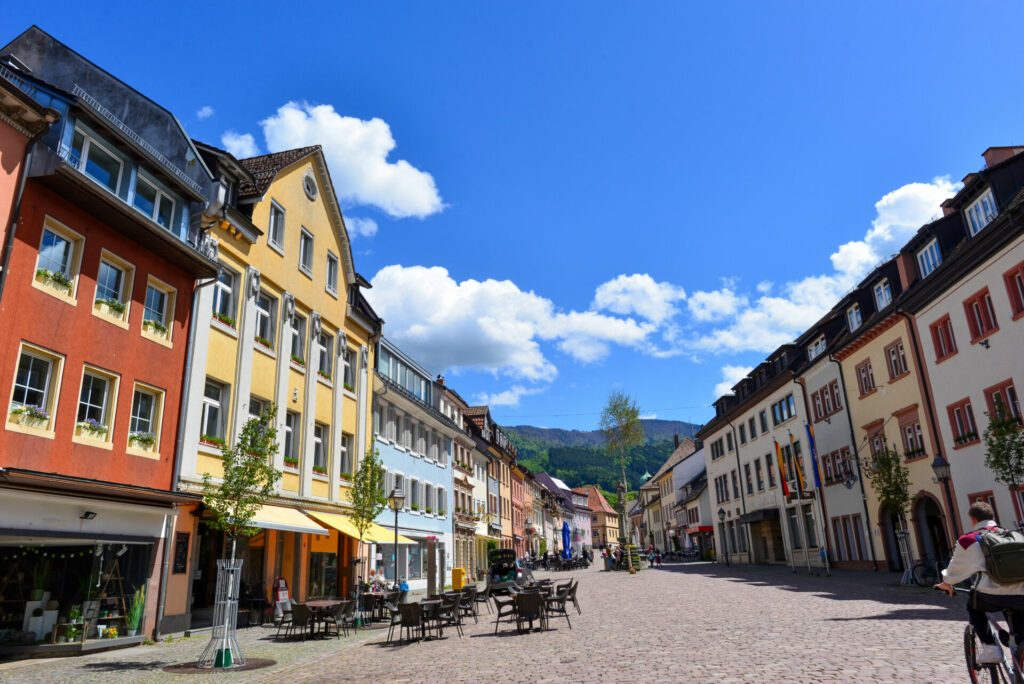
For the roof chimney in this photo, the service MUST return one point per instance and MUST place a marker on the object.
(994, 155)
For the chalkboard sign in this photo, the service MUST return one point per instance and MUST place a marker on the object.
(180, 552)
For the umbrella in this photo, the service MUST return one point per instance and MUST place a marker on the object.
(565, 540)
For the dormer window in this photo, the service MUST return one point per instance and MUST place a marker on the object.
(816, 348)
(929, 258)
(853, 318)
(883, 294)
(153, 202)
(981, 211)
(96, 161)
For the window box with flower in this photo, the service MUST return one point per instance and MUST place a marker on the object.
(291, 461)
(55, 279)
(144, 440)
(155, 326)
(211, 440)
(31, 415)
(226, 320)
(324, 375)
(264, 342)
(350, 388)
(298, 361)
(90, 427)
(347, 477)
(113, 306)
(320, 470)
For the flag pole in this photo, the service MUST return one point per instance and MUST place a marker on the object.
(796, 460)
(784, 518)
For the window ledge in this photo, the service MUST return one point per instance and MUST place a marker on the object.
(324, 381)
(985, 336)
(440, 465)
(209, 449)
(216, 324)
(306, 271)
(412, 512)
(44, 432)
(333, 293)
(320, 477)
(348, 393)
(162, 340)
(88, 441)
(288, 468)
(56, 291)
(102, 312)
(276, 247)
(297, 367)
(947, 357)
(894, 380)
(144, 453)
(264, 349)
(1017, 316)
(401, 448)
(867, 394)
(964, 445)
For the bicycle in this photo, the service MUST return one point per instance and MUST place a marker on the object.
(926, 573)
(1011, 670)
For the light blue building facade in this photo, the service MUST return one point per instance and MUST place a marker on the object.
(415, 443)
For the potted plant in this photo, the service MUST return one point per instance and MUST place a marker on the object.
(347, 477)
(54, 277)
(157, 326)
(226, 320)
(134, 617)
(298, 360)
(40, 573)
(291, 461)
(142, 439)
(320, 470)
(73, 631)
(116, 307)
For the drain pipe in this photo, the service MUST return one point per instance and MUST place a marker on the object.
(182, 413)
(856, 460)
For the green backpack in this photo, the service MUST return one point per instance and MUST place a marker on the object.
(1004, 555)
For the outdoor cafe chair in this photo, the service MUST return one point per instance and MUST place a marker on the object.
(555, 605)
(484, 598)
(506, 608)
(302, 617)
(529, 607)
(410, 619)
(449, 614)
(467, 603)
(396, 620)
(573, 586)
(336, 619)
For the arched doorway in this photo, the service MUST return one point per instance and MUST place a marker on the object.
(931, 529)
(889, 522)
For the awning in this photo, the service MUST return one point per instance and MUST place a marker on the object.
(698, 529)
(342, 523)
(286, 520)
(759, 515)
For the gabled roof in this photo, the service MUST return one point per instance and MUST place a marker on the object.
(596, 500)
(265, 168)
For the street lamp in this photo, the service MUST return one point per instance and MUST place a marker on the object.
(940, 466)
(396, 501)
(725, 540)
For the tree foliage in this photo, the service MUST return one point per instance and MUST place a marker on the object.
(367, 494)
(890, 479)
(249, 477)
(1004, 448)
(620, 423)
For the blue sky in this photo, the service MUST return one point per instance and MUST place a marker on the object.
(568, 199)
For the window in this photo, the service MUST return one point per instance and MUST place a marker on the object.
(95, 404)
(942, 338)
(156, 310)
(883, 294)
(1014, 279)
(346, 455)
(292, 433)
(876, 439)
(109, 283)
(961, 419)
(266, 308)
(717, 450)
(768, 469)
(749, 478)
(759, 474)
(929, 258)
(795, 538)
(753, 430)
(143, 406)
(224, 297)
(405, 434)
(815, 349)
(981, 211)
(256, 407)
(94, 160)
(153, 202)
(56, 257)
(735, 485)
(896, 360)
(32, 383)
(910, 435)
(783, 409)
(809, 527)
(1003, 399)
(319, 452)
(299, 340)
(275, 234)
(743, 434)
(728, 440)
(306, 252)
(349, 377)
(325, 363)
(392, 428)
(853, 318)
(332, 273)
(865, 378)
(764, 421)
(214, 419)
(981, 316)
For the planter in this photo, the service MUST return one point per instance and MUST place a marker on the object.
(36, 595)
(133, 632)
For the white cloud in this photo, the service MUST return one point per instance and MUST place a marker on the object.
(492, 325)
(714, 305)
(730, 376)
(639, 294)
(648, 416)
(360, 227)
(509, 397)
(357, 152)
(205, 112)
(774, 319)
(241, 145)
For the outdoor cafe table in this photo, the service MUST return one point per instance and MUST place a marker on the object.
(321, 607)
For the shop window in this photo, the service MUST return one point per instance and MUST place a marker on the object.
(323, 574)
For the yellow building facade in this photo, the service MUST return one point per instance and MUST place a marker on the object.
(283, 325)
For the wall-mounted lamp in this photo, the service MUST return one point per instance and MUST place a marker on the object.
(88, 515)
(123, 550)
(985, 344)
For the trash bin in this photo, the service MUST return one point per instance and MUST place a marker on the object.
(458, 578)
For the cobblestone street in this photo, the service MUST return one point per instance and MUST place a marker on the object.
(700, 623)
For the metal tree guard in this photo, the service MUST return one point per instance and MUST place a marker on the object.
(223, 650)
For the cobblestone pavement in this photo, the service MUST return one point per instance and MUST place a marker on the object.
(692, 623)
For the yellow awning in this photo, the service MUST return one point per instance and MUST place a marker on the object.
(344, 524)
(286, 520)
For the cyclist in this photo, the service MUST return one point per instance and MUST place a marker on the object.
(986, 596)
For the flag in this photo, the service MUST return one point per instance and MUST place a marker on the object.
(814, 456)
(782, 468)
(798, 463)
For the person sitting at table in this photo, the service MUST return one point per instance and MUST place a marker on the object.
(378, 582)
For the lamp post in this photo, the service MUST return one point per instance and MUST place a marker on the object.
(942, 473)
(396, 501)
(725, 540)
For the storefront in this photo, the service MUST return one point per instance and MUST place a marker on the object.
(79, 562)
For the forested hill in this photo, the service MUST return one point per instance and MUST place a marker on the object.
(578, 456)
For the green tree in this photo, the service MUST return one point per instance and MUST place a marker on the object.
(890, 479)
(620, 423)
(367, 495)
(249, 478)
(1004, 447)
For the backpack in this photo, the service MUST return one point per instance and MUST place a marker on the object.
(1004, 555)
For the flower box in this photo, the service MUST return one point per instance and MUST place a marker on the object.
(350, 388)
(155, 326)
(320, 470)
(265, 342)
(54, 278)
(91, 428)
(210, 440)
(298, 361)
(30, 415)
(291, 462)
(325, 376)
(347, 477)
(226, 320)
(111, 306)
(145, 440)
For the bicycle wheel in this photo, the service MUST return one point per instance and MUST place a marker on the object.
(924, 575)
(979, 674)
